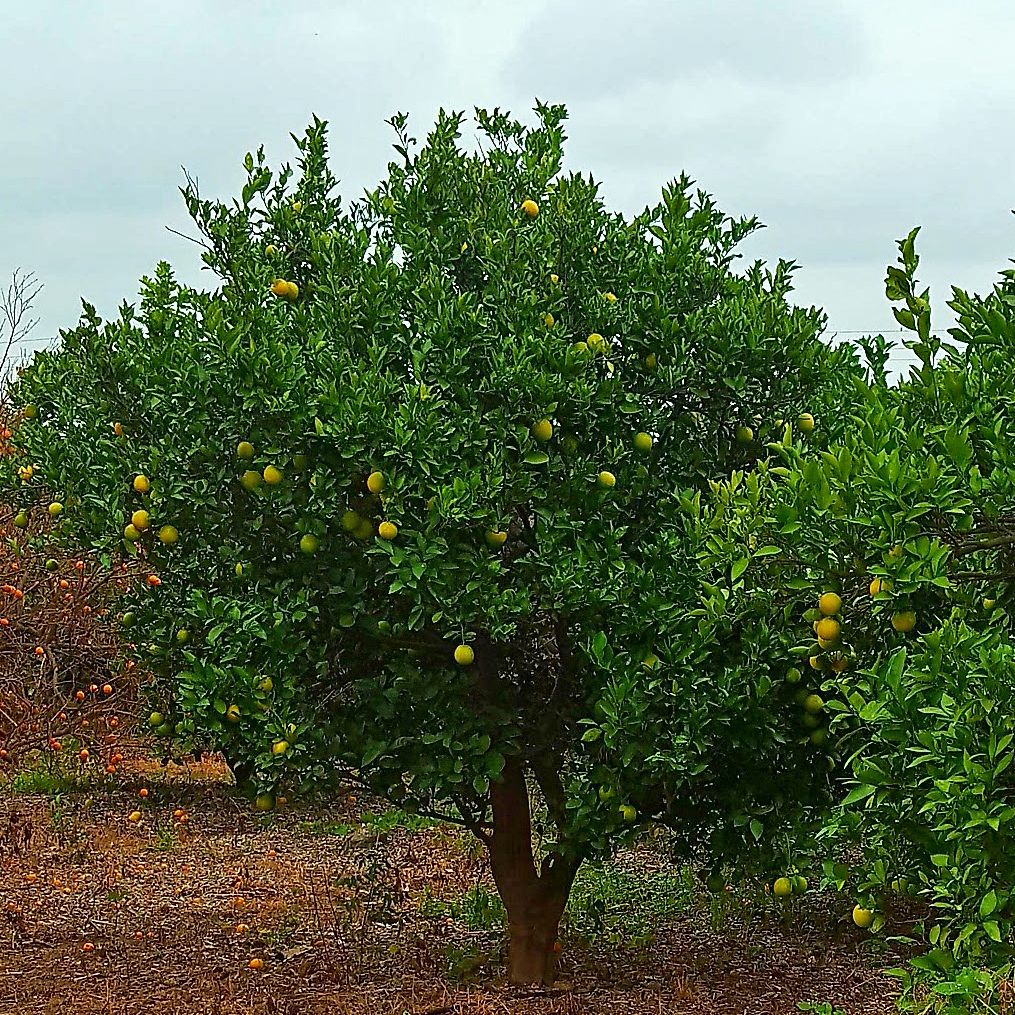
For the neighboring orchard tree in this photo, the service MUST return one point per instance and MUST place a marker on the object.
(895, 540)
(418, 488)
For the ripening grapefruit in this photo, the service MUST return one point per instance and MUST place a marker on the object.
(131, 534)
(606, 480)
(245, 450)
(350, 520)
(495, 537)
(530, 208)
(830, 604)
(308, 544)
(140, 519)
(904, 622)
(272, 475)
(464, 655)
(233, 713)
(828, 630)
(628, 813)
(879, 585)
(55, 509)
(387, 530)
(375, 482)
(806, 422)
(250, 480)
(141, 484)
(264, 801)
(168, 534)
(745, 434)
(279, 747)
(863, 918)
(782, 888)
(814, 703)
(596, 342)
(542, 430)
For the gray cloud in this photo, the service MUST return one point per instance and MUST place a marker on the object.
(840, 124)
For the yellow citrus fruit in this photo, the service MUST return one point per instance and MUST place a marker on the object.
(650, 662)
(596, 342)
(989, 604)
(131, 534)
(814, 703)
(606, 479)
(141, 484)
(880, 585)
(643, 441)
(828, 629)
(271, 250)
(745, 434)
(245, 450)
(542, 430)
(308, 543)
(782, 888)
(140, 519)
(815, 662)
(168, 534)
(272, 475)
(279, 747)
(554, 279)
(495, 537)
(233, 713)
(292, 291)
(31, 412)
(239, 570)
(530, 208)
(264, 801)
(375, 482)
(280, 287)
(55, 508)
(863, 918)
(464, 655)
(830, 604)
(824, 643)
(387, 530)
(651, 361)
(806, 422)
(250, 480)
(609, 297)
(548, 320)
(134, 817)
(904, 622)
(628, 813)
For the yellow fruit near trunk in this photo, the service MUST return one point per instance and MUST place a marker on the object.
(495, 537)
(279, 747)
(464, 655)
(542, 430)
(879, 585)
(782, 888)
(55, 508)
(140, 519)
(904, 622)
(863, 918)
(233, 713)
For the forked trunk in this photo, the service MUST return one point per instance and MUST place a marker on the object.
(534, 901)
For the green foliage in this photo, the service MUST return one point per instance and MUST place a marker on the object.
(907, 511)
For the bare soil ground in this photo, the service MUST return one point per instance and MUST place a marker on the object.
(352, 913)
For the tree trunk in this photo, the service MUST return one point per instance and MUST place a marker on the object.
(534, 900)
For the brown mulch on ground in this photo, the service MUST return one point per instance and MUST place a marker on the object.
(102, 915)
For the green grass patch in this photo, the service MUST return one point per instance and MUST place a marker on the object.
(374, 822)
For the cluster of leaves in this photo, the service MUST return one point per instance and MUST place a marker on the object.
(908, 515)
(474, 408)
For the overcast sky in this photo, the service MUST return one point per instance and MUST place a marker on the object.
(841, 124)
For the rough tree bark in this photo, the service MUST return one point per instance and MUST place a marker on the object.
(534, 899)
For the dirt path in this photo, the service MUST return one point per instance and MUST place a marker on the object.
(357, 914)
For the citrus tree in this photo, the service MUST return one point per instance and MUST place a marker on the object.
(412, 485)
(894, 537)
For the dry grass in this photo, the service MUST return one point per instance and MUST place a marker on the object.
(104, 916)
